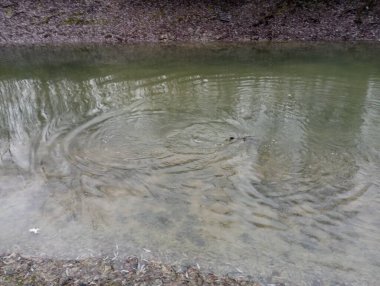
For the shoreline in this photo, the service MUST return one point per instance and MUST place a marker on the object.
(19, 270)
(211, 21)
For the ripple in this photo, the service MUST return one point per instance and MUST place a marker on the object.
(200, 138)
(114, 141)
(144, 142)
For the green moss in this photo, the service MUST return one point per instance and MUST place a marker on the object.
(8, 12)
(46, 20)
(76, 21)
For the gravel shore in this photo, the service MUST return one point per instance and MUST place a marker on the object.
(119, 21)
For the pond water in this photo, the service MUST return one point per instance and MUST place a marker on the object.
(248, 160)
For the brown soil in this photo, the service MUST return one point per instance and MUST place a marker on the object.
(19, 270)
(113, 21)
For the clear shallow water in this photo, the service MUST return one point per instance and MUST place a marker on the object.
(264, 160)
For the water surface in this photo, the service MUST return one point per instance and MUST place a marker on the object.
(260, 160)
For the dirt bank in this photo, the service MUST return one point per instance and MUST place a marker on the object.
(18, 270)
(113, 21)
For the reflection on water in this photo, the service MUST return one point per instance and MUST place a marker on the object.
(263, 159)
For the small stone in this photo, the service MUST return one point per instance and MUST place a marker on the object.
(34, 230)
(224, 17)
(163, 37)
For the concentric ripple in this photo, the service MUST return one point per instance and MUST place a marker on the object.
(121, 140)
(145, 140)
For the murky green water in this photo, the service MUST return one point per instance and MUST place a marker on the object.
(261, 160)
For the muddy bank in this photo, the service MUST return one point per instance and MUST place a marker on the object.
(115, 21)
(19, 270)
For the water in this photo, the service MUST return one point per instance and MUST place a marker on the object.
(256, 159)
